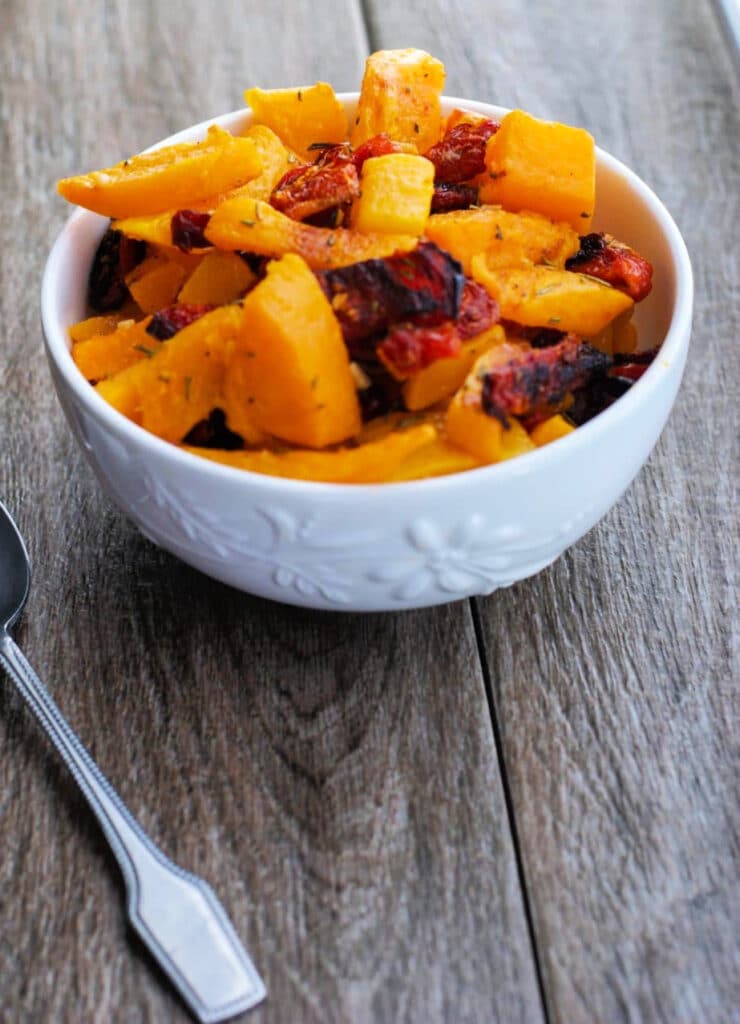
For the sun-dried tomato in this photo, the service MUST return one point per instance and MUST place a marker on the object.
(453, 196)
(330, 181)
(408, 348)
(188, 229)
(115, 257)
(539, 379)
(478, 311)
(167, 322)
(369, 296)
(461, 154)
(378, 145)
(623, 268)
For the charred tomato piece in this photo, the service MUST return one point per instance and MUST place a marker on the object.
(602, 257)
(116, 256)
(378, 145)
(539, 379)
(330, 181)
(478, 311)
(188, 229)
(461, 153)
(408, 348)
(368, 297)
(167, 322)
(453, 196)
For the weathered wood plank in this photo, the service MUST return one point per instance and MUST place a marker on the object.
(613, 672)
(334, 777)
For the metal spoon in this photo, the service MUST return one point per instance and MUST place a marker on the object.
(176, 914)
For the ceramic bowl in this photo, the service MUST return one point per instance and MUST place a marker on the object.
(383, 546)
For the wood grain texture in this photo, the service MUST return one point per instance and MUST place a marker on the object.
(335, 778)
(614, 673)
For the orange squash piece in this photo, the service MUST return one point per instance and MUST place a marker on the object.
(400, 96)
(275, 160)
(468, 427)
(543, 166)
(183, 380)
(550, 430)
(508, 239)
(253, 226)
(220, 277)
(396, 195)
(438, 458)
(107, 353)
(170, 178)
(546, 297)
(374, 462)
(93, 326)
(290, 370)
(466, 424)
(444, 376)
(155, 282)
(300, 116)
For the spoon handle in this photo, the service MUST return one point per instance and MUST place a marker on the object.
(176, 914)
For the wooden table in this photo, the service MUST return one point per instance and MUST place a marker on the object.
(521, 808)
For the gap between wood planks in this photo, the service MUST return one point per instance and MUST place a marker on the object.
(510, 813)
(371, 39)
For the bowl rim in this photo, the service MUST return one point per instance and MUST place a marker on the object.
(673, 349)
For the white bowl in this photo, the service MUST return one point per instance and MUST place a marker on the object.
(382, 546)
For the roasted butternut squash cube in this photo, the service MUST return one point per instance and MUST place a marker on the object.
(155, 228)
(396, 195)
(220, 277)
(438, 458)
(300, 116)
(173, 177)
(471, 429)
(508, 239)
(275, 160)
(444, 376)
(543, 166)
(514, 441)
(155, 282)
(466, 424)
(290, 370)
(546, 297)
(400, 96)
(374, 462)
(94, 326)
(183, 380)
(102, 355)
(253, 226)
(550, 430)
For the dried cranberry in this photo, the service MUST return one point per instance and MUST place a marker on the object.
(453, 196)
(213, 433)
(167, 322)
(115, 257)
(188, 229)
